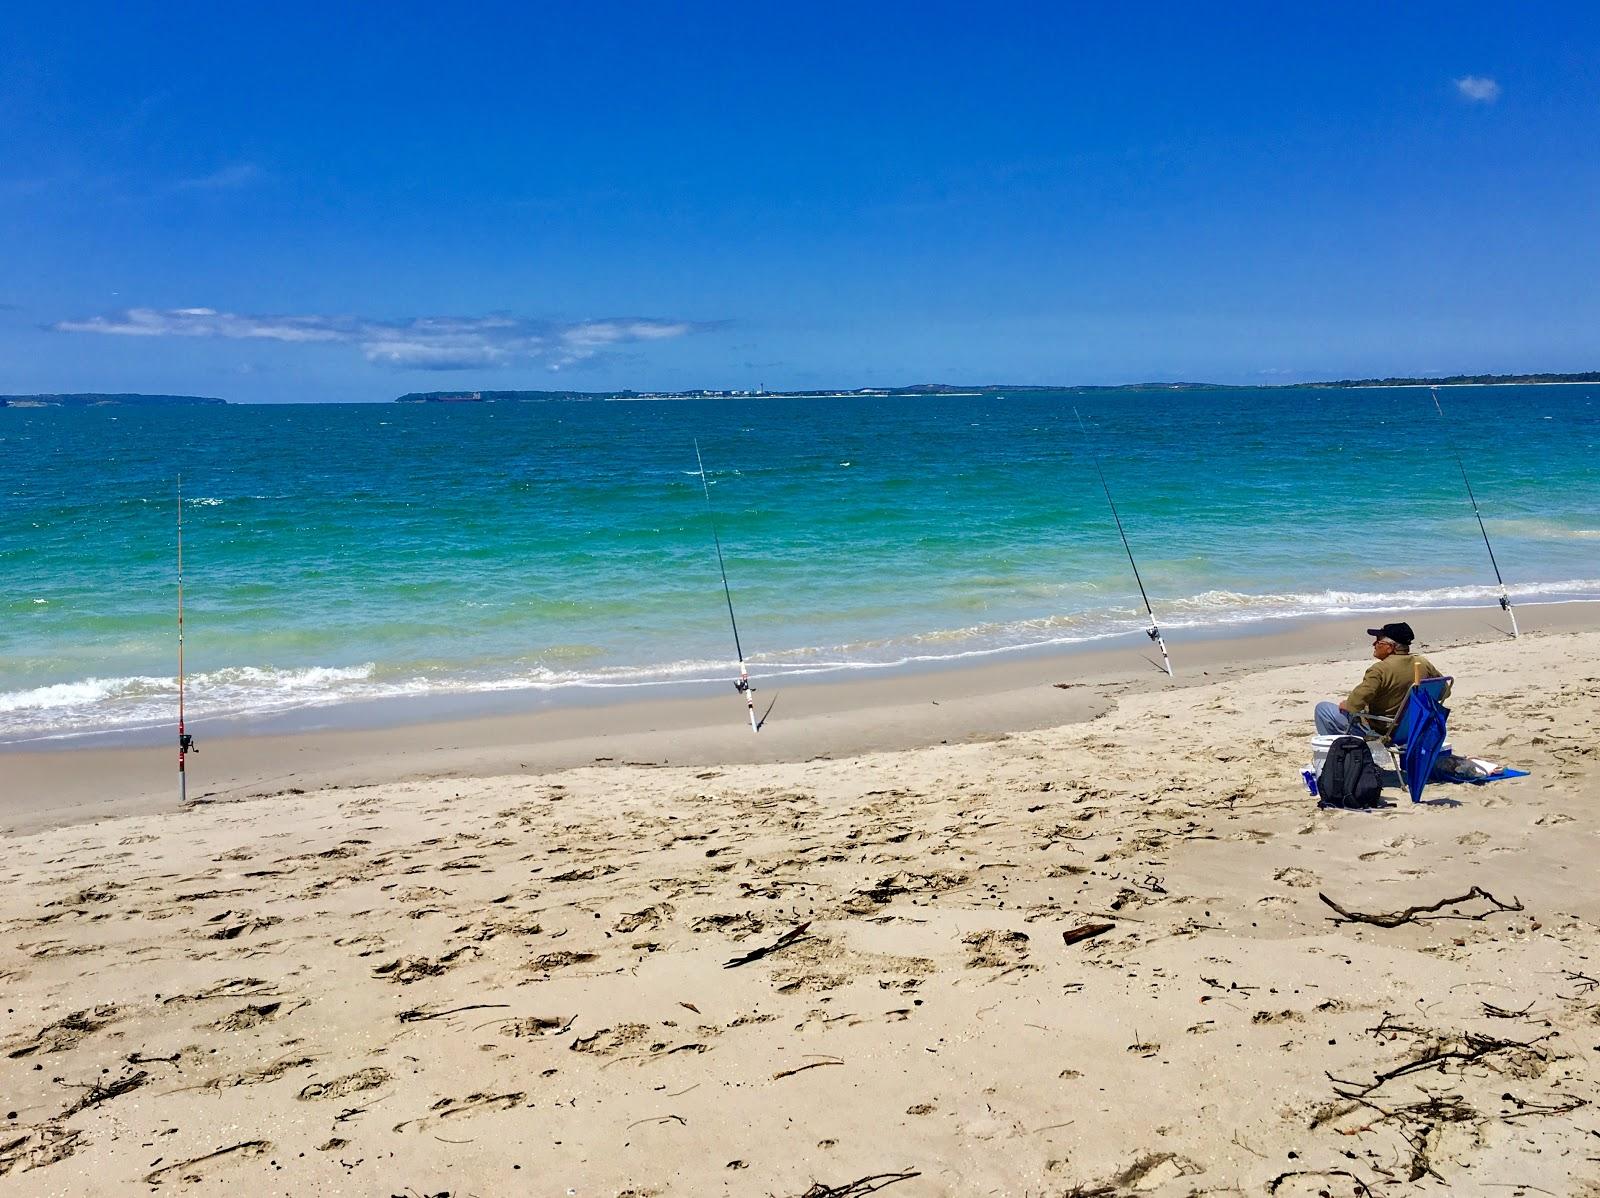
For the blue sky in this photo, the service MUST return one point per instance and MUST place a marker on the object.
(294, 202)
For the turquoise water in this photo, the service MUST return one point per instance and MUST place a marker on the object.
(346, 552)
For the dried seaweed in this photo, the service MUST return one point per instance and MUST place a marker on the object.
(97, 1093)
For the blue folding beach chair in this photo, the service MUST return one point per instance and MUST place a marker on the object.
(1418, 733)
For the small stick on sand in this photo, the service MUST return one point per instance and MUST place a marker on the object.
(781, 942)
(416, 1014)
(802, 1068)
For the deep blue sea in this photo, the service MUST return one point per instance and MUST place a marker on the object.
(344, 552)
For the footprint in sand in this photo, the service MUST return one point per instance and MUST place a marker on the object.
(238, 923)
(536, 1025)
(1264, 1017)
(354, 1083)
(37, 1147)
(191, 1170)
(1295, 876)
(738, 926)
(231, 988)
(1391, 848)
(405, 970)
(559, 960)
(256, 1077)
(65, 1032)
(650, 917)
(448, 1108)
(609, 1040)
(995, 949)
(251, 1016)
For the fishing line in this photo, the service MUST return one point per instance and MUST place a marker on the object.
(1153, 632)
(743, 685)
(1505, 599)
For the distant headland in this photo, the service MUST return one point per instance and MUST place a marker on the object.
(95, 399)
(982, 389)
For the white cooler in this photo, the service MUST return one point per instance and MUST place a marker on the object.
(1380, 755)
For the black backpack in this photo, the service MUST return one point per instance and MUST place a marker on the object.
(1349, 776)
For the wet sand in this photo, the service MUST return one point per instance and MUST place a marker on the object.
(63, 784)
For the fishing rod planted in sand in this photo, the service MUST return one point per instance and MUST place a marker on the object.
(1153, 632)
(743, 685)
(1505, 598)
(185, 741)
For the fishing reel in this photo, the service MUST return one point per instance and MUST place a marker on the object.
(742, 685)
(1505, 603)
(1153, 633)
(186, 743)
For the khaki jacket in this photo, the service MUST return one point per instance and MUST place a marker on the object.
(1383, 687)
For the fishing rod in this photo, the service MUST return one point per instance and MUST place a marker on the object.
(1153, 632)
(743, 685)
(185, 741)
(1505, 598)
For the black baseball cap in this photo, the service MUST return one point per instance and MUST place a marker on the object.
(1399, 633)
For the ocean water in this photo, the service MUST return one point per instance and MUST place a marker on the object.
(337, 553)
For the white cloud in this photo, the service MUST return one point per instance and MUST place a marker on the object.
(417, 343)
(1480, 89)
(229, 178)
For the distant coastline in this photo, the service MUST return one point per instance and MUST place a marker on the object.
(950, 390)
(95, 399)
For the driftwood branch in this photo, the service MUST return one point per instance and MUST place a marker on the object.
(1086, 931)
(860, 1186)
(1393, 919)
(1473, 1049)
(782, 942)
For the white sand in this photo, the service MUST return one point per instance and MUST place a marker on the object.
(517, 984)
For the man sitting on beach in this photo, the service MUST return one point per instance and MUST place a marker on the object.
(1383, 688)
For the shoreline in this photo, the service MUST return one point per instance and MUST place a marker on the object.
(450, 705)
(57, 785)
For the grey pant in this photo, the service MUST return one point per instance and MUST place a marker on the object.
(1333, 722)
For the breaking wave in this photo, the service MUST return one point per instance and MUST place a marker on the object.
(93, 705)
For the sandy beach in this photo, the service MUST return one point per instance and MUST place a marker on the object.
(1048, 926)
